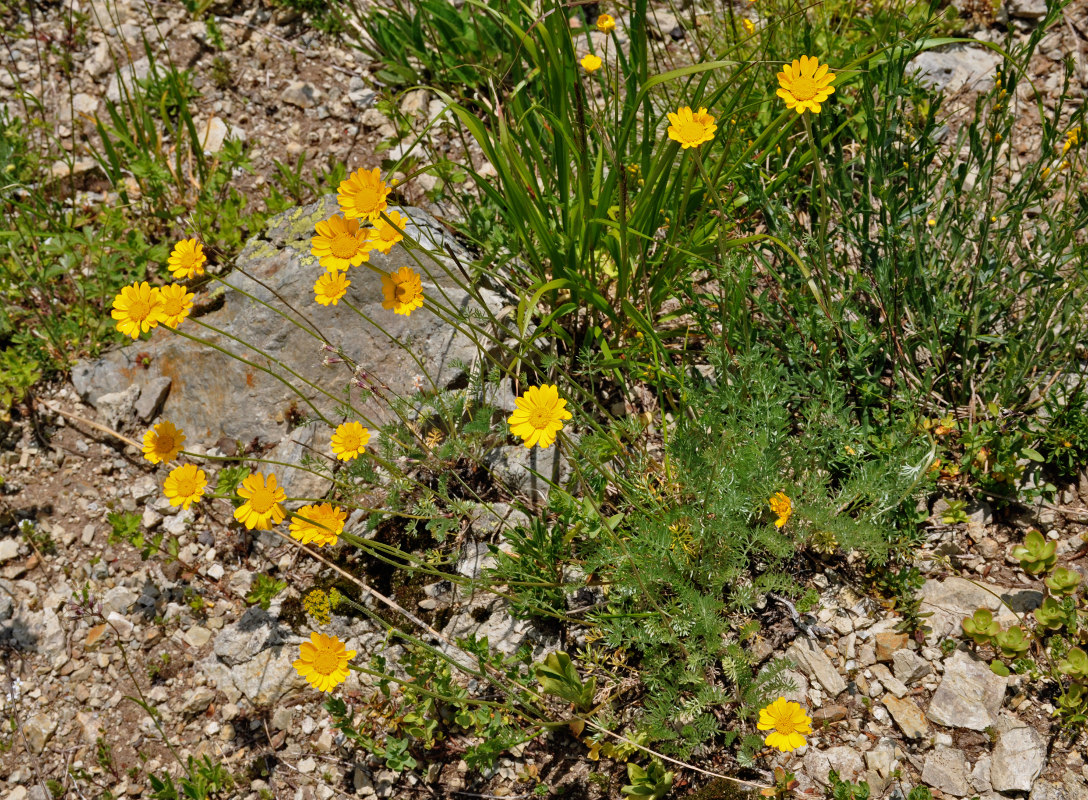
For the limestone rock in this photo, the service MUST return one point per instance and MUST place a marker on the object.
(528, 470)
(969, 694)
(255, 631)
(119, 599)
(301, 94)
(128, 75)
(152, 395)
(907, 716)
(952, 599)
(816, 666)
(955, 67)
(909, 666)
(213, 395)
(1026, 9)
(945, 769)
(38, 730)
(888, 643)
(844, 760)
(1018, 758)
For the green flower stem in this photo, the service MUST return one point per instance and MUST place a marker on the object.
(824, 206)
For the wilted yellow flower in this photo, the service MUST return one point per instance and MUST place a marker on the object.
(349, 440)
(363, 195)
(787, 722)
(691, 128)
(331, 287)
(539, 416)
(805, 84)
(1072, 139)
(163, 442)
(322, 524)
(262, 508)
(137, 309)
(387, 233)
(187, 259)
(176, 304)
(185, 485)
(340, 243)
(323, 661)
(605, 23)
(590, 62)
(781, 505)
(749, 26)
(403, 291)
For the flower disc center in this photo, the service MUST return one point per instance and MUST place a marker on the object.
(691, 131)
(326, 662)
(262, 500)
(344, 245)
(803, 88)
(139, 310)
(186, 486)
(540, 418)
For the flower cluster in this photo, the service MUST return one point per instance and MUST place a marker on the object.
(342, 242)
(803, 84)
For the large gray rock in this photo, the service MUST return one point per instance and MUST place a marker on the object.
(969, 694)
(1018, 758)
(946, 769)
(213, 395)
(956, 67)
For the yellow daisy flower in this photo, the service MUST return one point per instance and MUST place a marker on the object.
(539, 416)
(185, 485)
(330, 287)
(307, 526)
(386, 234)
(590, 63)
(605, 23)
(691, 128)
(805, 84)
(340, 243)
(362, 195)
(137, 309)
(781, 505)
(749, 26)
(176, 304)
(187, 259)
(787, 722)
(163, 442)
(262, 508)
(349, 440)
(403, 291)
(323, 662)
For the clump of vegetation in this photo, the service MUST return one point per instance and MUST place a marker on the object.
(1046, 645)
